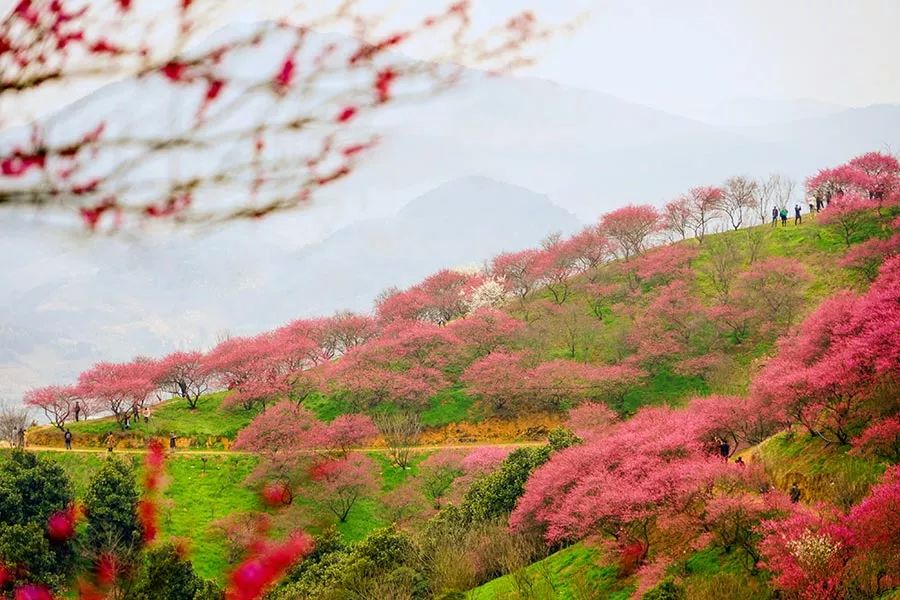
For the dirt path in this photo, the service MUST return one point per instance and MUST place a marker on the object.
(381, 449)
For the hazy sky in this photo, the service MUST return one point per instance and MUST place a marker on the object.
(680, 55)
(685, 56)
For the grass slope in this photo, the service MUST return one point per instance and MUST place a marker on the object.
(575, 573)
(208, 426)
(824, 472)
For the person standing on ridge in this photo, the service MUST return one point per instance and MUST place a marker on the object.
(172, 438)
(77, 410)
(110, 442)
(774, 216)
(798, 218)
(68, 438)
(784, 216)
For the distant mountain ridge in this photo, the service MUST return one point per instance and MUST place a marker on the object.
(462, 222)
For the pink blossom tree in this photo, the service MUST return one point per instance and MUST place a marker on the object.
(591, 248)
(881, 439)
(705, 203)
(662, 265)
(120, 389)
(590, 420)
(438, 299)
(867, 257)
(560, 261)
(676, 217)
(807, 553)
(520, 273)
(182, 374)
(557, 383)
(406, 365)
(484, 459)
(485, 331)
(675, 325)
(346, 330)
(828, 373)
(738, 197)
(498, 381)
(776, 287)
(847, 214)
(282, 435)
(438, 471)
(875, 527)
(874, 175)
(630, 227)
(337, 484)
(345, 433)
(644, 469)
(57, 402)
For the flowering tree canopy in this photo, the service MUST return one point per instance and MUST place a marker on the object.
(826, 373)
(629, 227)
(57, 402)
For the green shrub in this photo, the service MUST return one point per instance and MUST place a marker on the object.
(665, 590)
(31, 490)
(111, 503)
(165, 573)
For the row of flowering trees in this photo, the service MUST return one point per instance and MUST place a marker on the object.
(449, 328)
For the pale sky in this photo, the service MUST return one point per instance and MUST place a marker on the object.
(680, 55)
(688, 55)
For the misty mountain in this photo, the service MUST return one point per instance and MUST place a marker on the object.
(740, 113)
(461, 223)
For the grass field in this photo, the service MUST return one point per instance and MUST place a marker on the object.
(200, 490)
(575, 573)
(824, 472)
(207, 426)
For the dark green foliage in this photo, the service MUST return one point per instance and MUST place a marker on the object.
(385, 560)
(328, 545)
(496, 493)
(165, 573)
(560, 438)
(27, 548)
(665, 590)
(31, 490)
(209, 590)
(111, 502)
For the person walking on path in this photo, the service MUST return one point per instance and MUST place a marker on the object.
(794, 493)
(20, 437)
(146, 414)
(172, 438)
(68, 437)
(784, 216)
(110, 442)
(798, 218)
(724, 449)
(774, 216)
